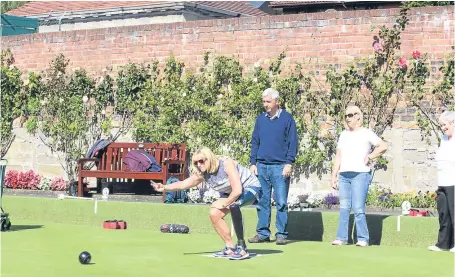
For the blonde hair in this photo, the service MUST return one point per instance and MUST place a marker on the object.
(354, 109)
(448, 116)
(211, 160)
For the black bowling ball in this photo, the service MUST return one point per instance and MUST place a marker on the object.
(85, 257)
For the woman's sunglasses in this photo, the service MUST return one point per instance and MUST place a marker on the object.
(350, 115)
(201, 161)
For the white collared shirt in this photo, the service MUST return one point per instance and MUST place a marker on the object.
(276, 115)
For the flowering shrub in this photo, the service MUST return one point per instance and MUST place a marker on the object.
(59, 184)
(44, 184)
(31, 180)
(416, 54)
(378, 48)
(418, 199)
(22, 180)
(11, 179)
(194, 196)
(210, 196)
(385, 198)
(294, 200)
(297, 196)
(315, 199)
(330, 200)
(377, 197)
(389, 200)
(402, 63)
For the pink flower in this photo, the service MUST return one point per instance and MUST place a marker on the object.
(59, 184)
(416, 54)
(402, 63)
(11, 179)
(377, 46)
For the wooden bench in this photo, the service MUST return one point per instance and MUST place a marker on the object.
(110, 165)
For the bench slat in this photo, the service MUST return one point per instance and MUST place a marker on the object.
(114, 159)
(108, 159)
(157, 155)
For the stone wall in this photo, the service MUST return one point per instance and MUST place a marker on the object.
(411, 161)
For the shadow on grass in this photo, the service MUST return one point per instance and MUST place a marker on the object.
(305, 226)
(15, 228)
(256, 251)
(375, 225)
(309, 226)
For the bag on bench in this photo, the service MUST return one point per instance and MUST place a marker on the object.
(140, 161)
(98, 148)
(96, 151)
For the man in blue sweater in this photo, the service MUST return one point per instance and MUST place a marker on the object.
(273, 151)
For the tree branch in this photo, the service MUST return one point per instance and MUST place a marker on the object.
(7, 145)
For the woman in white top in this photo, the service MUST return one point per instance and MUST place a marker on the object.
(352, 162)
(445, 160)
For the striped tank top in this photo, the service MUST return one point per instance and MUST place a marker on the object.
(219, 181)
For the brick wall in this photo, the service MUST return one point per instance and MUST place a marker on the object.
(317, 39)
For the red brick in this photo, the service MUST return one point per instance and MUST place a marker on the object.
(338, 39)
(252, 39)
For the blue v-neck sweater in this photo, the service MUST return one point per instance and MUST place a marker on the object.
(274, 141)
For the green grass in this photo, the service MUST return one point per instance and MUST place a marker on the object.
(49, 234)
(312, 226)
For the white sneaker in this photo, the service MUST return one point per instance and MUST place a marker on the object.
(452, 250)
(338, 242)
(435, 248)
(361, 243)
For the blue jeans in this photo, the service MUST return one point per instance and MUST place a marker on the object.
(353, 190)
(271, 175)
(249, 196)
